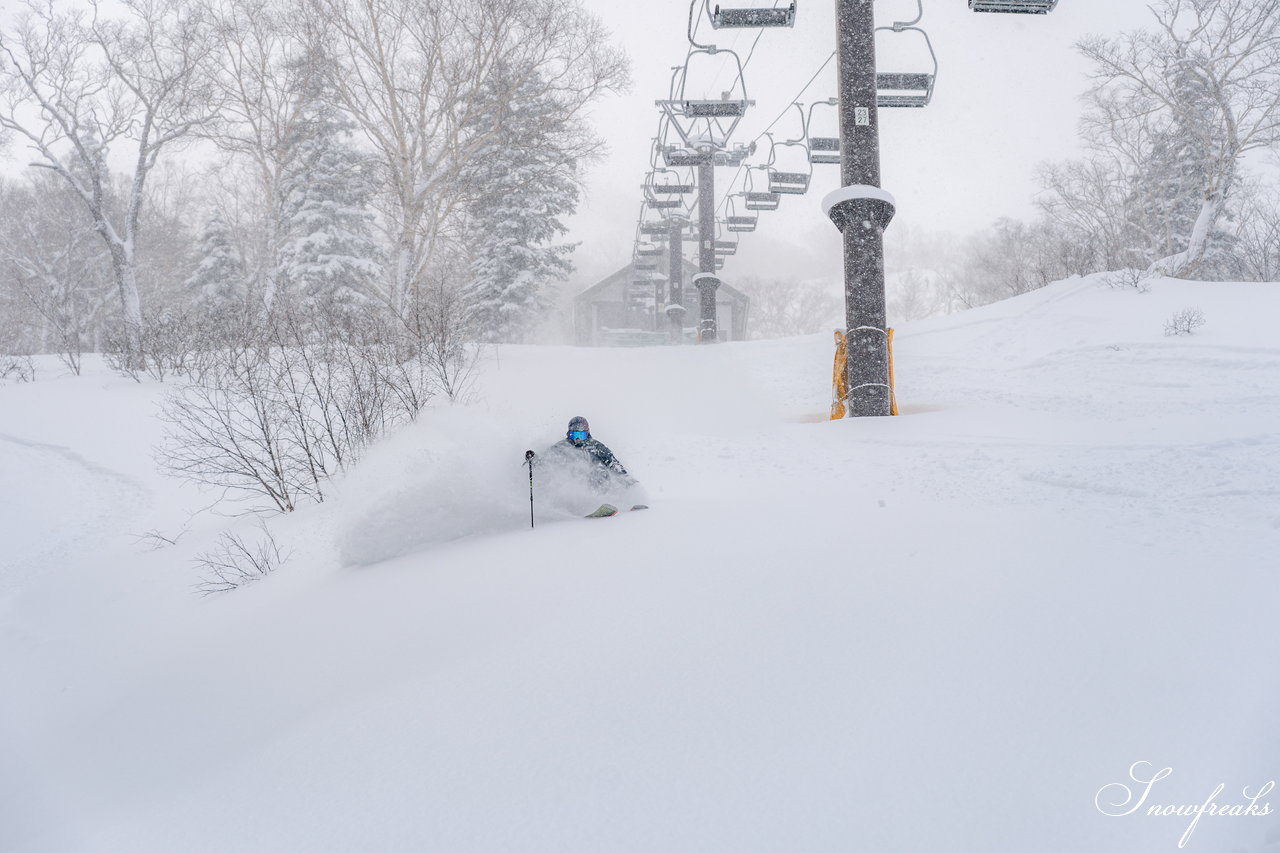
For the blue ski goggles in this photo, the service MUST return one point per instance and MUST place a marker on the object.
(578, 435)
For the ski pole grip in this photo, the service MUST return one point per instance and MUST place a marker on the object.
(528, 454)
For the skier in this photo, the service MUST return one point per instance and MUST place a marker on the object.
(581, 459)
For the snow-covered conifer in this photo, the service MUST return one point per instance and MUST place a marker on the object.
(218, 279)
(524, 180)
(329, 253)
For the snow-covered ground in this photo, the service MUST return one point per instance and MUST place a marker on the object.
(947, 631)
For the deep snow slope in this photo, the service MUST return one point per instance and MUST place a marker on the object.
(950, 630)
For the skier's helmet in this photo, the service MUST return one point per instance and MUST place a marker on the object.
(579, 431)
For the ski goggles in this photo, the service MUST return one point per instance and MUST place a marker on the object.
(578, 435)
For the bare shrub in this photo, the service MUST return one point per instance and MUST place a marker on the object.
(1184, 322)
(442, 331)
(278, 414)
(1130, 279)
(17, 368)
(170, 342)
(118, 353)
(156, 540)
(234, 562)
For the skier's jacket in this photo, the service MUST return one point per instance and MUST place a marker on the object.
(602, 468)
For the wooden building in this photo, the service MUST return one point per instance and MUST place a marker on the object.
(627, 309)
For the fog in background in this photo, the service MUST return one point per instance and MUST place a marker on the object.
(1007, 98)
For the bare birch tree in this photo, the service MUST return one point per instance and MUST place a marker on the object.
(52, 261)
(80, 87)
(267, 82)
(410, 73)
(1210, 73)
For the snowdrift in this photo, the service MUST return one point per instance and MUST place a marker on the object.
(958, 629)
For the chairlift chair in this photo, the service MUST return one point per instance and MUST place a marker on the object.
(677, 156)
(740, 18)
(732, 157)
(662, 193)
(754, 198)
(664, 182)
(914, 89)
(789, 183)
(736, 222)
(704, 125)
(761, 201)
(649, 250)
(823, 150)
(1026, 7)
(725, 247)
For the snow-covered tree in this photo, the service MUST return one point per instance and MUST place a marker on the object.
(54, 273)
(1204, 88)
(328, 253)
(75, 87)
(218, 279)
(267, 81)
(525, 180)
(408, 72)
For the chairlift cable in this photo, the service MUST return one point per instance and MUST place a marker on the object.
(794, 102)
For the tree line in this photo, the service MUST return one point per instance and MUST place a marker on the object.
(401, 162)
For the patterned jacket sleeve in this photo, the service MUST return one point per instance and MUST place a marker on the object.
(606, 458)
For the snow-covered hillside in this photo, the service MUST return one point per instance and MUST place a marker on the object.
(947, 631)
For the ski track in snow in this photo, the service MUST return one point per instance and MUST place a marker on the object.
(84, 509)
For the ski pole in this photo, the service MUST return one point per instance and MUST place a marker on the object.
(528, 457)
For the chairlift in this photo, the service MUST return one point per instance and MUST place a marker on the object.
(1025, 7)
(725, 247)
(650, 250)
(789, 182)
(734, 156)
(662, 192)
(754, 198)
(741, 18)
(736, 222)
(703, 124)
(719, 264)
(914, 89)
(663, 182)
(678, 156)
(823, 150)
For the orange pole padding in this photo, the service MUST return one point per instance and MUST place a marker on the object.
(839, 378)
(893, 396)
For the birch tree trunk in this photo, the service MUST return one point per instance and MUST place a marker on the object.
(76, 85)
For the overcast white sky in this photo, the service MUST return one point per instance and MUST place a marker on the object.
(1007, 97)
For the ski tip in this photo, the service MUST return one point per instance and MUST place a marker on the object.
(605, 511)
(639, 506)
